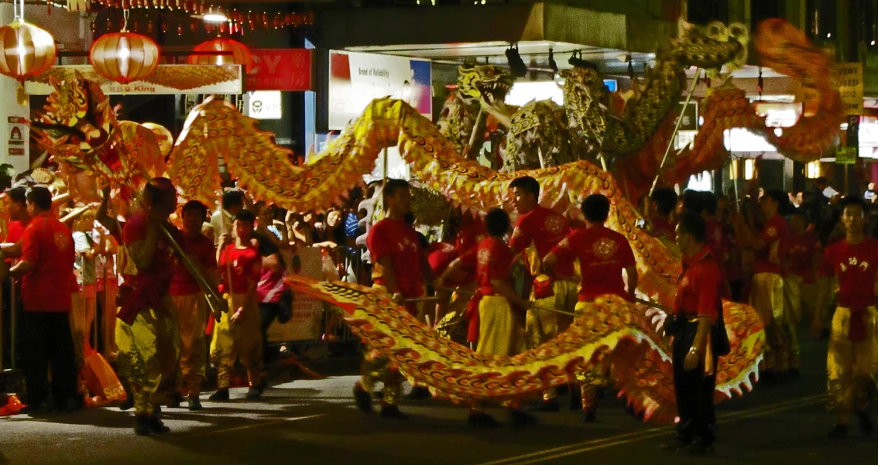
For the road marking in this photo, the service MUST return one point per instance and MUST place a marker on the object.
(239, 428)
(625, 438)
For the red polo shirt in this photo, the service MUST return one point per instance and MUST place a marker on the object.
(701, 287)
(48, 244)
(801, 250)
(603, 254)
(494, 262)
(398, 241)
(162, 267)
(769, 259)
(855, 265)
(545, 229)
(246, 267)
(199, 249)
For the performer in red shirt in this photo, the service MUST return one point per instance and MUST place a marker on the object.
(190, 303)
(15, 203)
(399, 267)
(604, 255)
(493, 325)
(767, 286)
(47, 282)
(537, 231)
(239, 337)
(146, 329)
(852, 361)
(662, 203)
(804, 255)
(698, 306)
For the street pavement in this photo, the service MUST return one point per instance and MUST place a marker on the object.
(308, 421)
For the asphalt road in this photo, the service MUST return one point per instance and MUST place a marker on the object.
(315, 421)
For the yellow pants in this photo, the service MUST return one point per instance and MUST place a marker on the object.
(149, 351)
(192, 313)
(590, 380)
(241, 341)
(542, 326)
(499, 334)
(767, 297)
(851, 366)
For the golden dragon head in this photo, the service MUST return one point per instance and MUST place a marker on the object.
(474, 81)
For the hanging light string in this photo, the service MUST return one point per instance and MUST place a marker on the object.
(236, 20)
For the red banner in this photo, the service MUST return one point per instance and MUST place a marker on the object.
(280, 69)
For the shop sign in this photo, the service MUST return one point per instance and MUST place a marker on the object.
(849, 82)
(265, 104)
(355, 79)
(167, 80)
(281, 69)
(846, 155)
(15, 144)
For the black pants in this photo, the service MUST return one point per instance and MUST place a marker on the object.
(45, 340)
(694, 391)
(269, 312)
(6, 337)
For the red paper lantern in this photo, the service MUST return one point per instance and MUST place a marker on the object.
(238, 54)
(124, 57)
(28, 51)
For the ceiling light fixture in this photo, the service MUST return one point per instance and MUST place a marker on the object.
(516, 64)
(552, 63)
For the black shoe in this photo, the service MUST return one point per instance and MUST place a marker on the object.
(219, 396)
(255, 392)
(362, 399)
(678, 443)
(194, 404)
(700, 448)
(156, 425)
(127, 404)
(176, 400)
(575, 402)
(838, 432)
(142, 425)
(40, 408)
(522, 419)
(547, 406)
(865, 422)
(589, 415)
(419, 393)
(483, 420)
(392, 411)
(72, 404)
(768, 376)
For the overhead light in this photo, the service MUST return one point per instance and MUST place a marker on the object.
(214, 18)
(829, 35)
(552, 63)
(872, 43)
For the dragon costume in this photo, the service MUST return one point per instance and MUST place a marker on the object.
(216, 128)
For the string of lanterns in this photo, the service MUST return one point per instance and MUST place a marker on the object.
(233, 21)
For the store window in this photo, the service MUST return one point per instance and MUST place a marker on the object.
(701, 182)
(812, 169)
